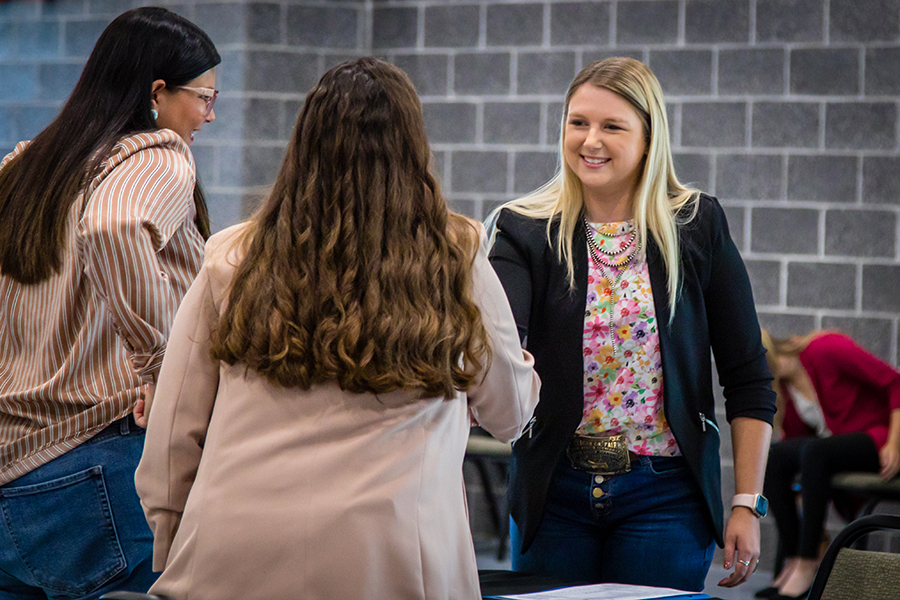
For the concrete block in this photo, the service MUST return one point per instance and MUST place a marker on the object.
(751, 71)
(871, 333)
(205, 162)
(438, 162)
(112, 8)
(512, 123)
(881, 184)
(428, 72)
(465, 206)
(482, 73)
(229, 123)
(882, 68)
(825, 71)
(713, 124)
(20, 83)
(861, 125)
(749, 177)
(784, 230)
(478, 172)
(39, 39)
(19, 10)
(250, 203)
(864, 20)
(589, 55)
(9, 40)
(683, 72)
(545, 72)
(394, 27)
(224, 210)
(31, 120)
(786, 324)
(63, 9)
(223, 23)
(789, 20)
(230, 72)
(261, 164)
(269, 71)
(323, 26)
(710, 21)
(785, 125)
(822, 178)
(7, 134)
(532, 170)
(263, 120)
(647, 22)
(515, 24)
(693, 169)
(80, 36)
(871, 233)
(450, 122)
(554, 122)
(229, 162)
(452, 26)
(576, 23)
(735, 217)
(57, 80)
(881, 288)
(291, 113)
(264, 23)
(765, 279)
(821, 285)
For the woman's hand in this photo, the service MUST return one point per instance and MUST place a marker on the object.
(142, 408)
(741, 546)
(890, 460)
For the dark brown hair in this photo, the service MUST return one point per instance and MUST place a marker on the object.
(355, 270)
(110, 100)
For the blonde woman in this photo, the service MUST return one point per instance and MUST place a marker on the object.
(621, 280)
(308, 433)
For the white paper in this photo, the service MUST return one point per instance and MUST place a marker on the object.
(602, 591)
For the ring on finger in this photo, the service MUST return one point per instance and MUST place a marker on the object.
(746, 563)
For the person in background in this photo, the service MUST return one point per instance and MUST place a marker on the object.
(307, 436)
(841, 413)
(621, 280)
(103, 234)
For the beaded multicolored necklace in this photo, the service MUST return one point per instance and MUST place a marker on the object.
(632, 247)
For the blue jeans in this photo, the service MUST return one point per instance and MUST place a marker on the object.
(74, 528)
(645, 527)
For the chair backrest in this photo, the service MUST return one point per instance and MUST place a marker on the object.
(863, 575)
(848, 574)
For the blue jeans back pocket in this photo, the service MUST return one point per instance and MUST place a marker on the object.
(61, 557)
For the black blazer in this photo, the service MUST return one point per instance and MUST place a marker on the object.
(715, 310)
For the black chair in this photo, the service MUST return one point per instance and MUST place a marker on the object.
(869, 486)
(485, 452)
(849, 574)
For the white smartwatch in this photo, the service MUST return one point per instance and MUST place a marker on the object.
(757, 503)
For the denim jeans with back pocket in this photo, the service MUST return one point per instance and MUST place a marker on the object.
(74, 528)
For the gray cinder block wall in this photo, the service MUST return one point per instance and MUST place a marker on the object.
(787, 110)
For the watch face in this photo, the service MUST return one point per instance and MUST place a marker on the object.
(762, 505)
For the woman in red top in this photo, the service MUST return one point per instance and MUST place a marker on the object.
(841, 413)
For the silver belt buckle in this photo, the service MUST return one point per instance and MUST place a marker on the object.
(600, 453)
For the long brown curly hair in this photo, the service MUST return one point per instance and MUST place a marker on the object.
(355, 270)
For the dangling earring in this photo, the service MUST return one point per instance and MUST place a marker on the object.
(154, 114)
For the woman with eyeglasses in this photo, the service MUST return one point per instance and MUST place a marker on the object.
(103, 232)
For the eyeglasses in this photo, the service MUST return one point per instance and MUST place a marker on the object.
(208, 95)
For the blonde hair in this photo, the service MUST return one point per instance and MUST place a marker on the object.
(659, 197)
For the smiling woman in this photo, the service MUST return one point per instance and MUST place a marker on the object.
(621, 281)
(109, 232)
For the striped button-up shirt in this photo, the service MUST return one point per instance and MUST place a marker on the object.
(75, 349)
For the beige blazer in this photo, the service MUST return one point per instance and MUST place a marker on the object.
(255, 491)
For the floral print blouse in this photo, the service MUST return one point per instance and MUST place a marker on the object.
(623, 387)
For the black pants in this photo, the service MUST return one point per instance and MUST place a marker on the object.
(816, 460)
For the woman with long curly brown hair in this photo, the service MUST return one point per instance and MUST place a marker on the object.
(309, 428)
